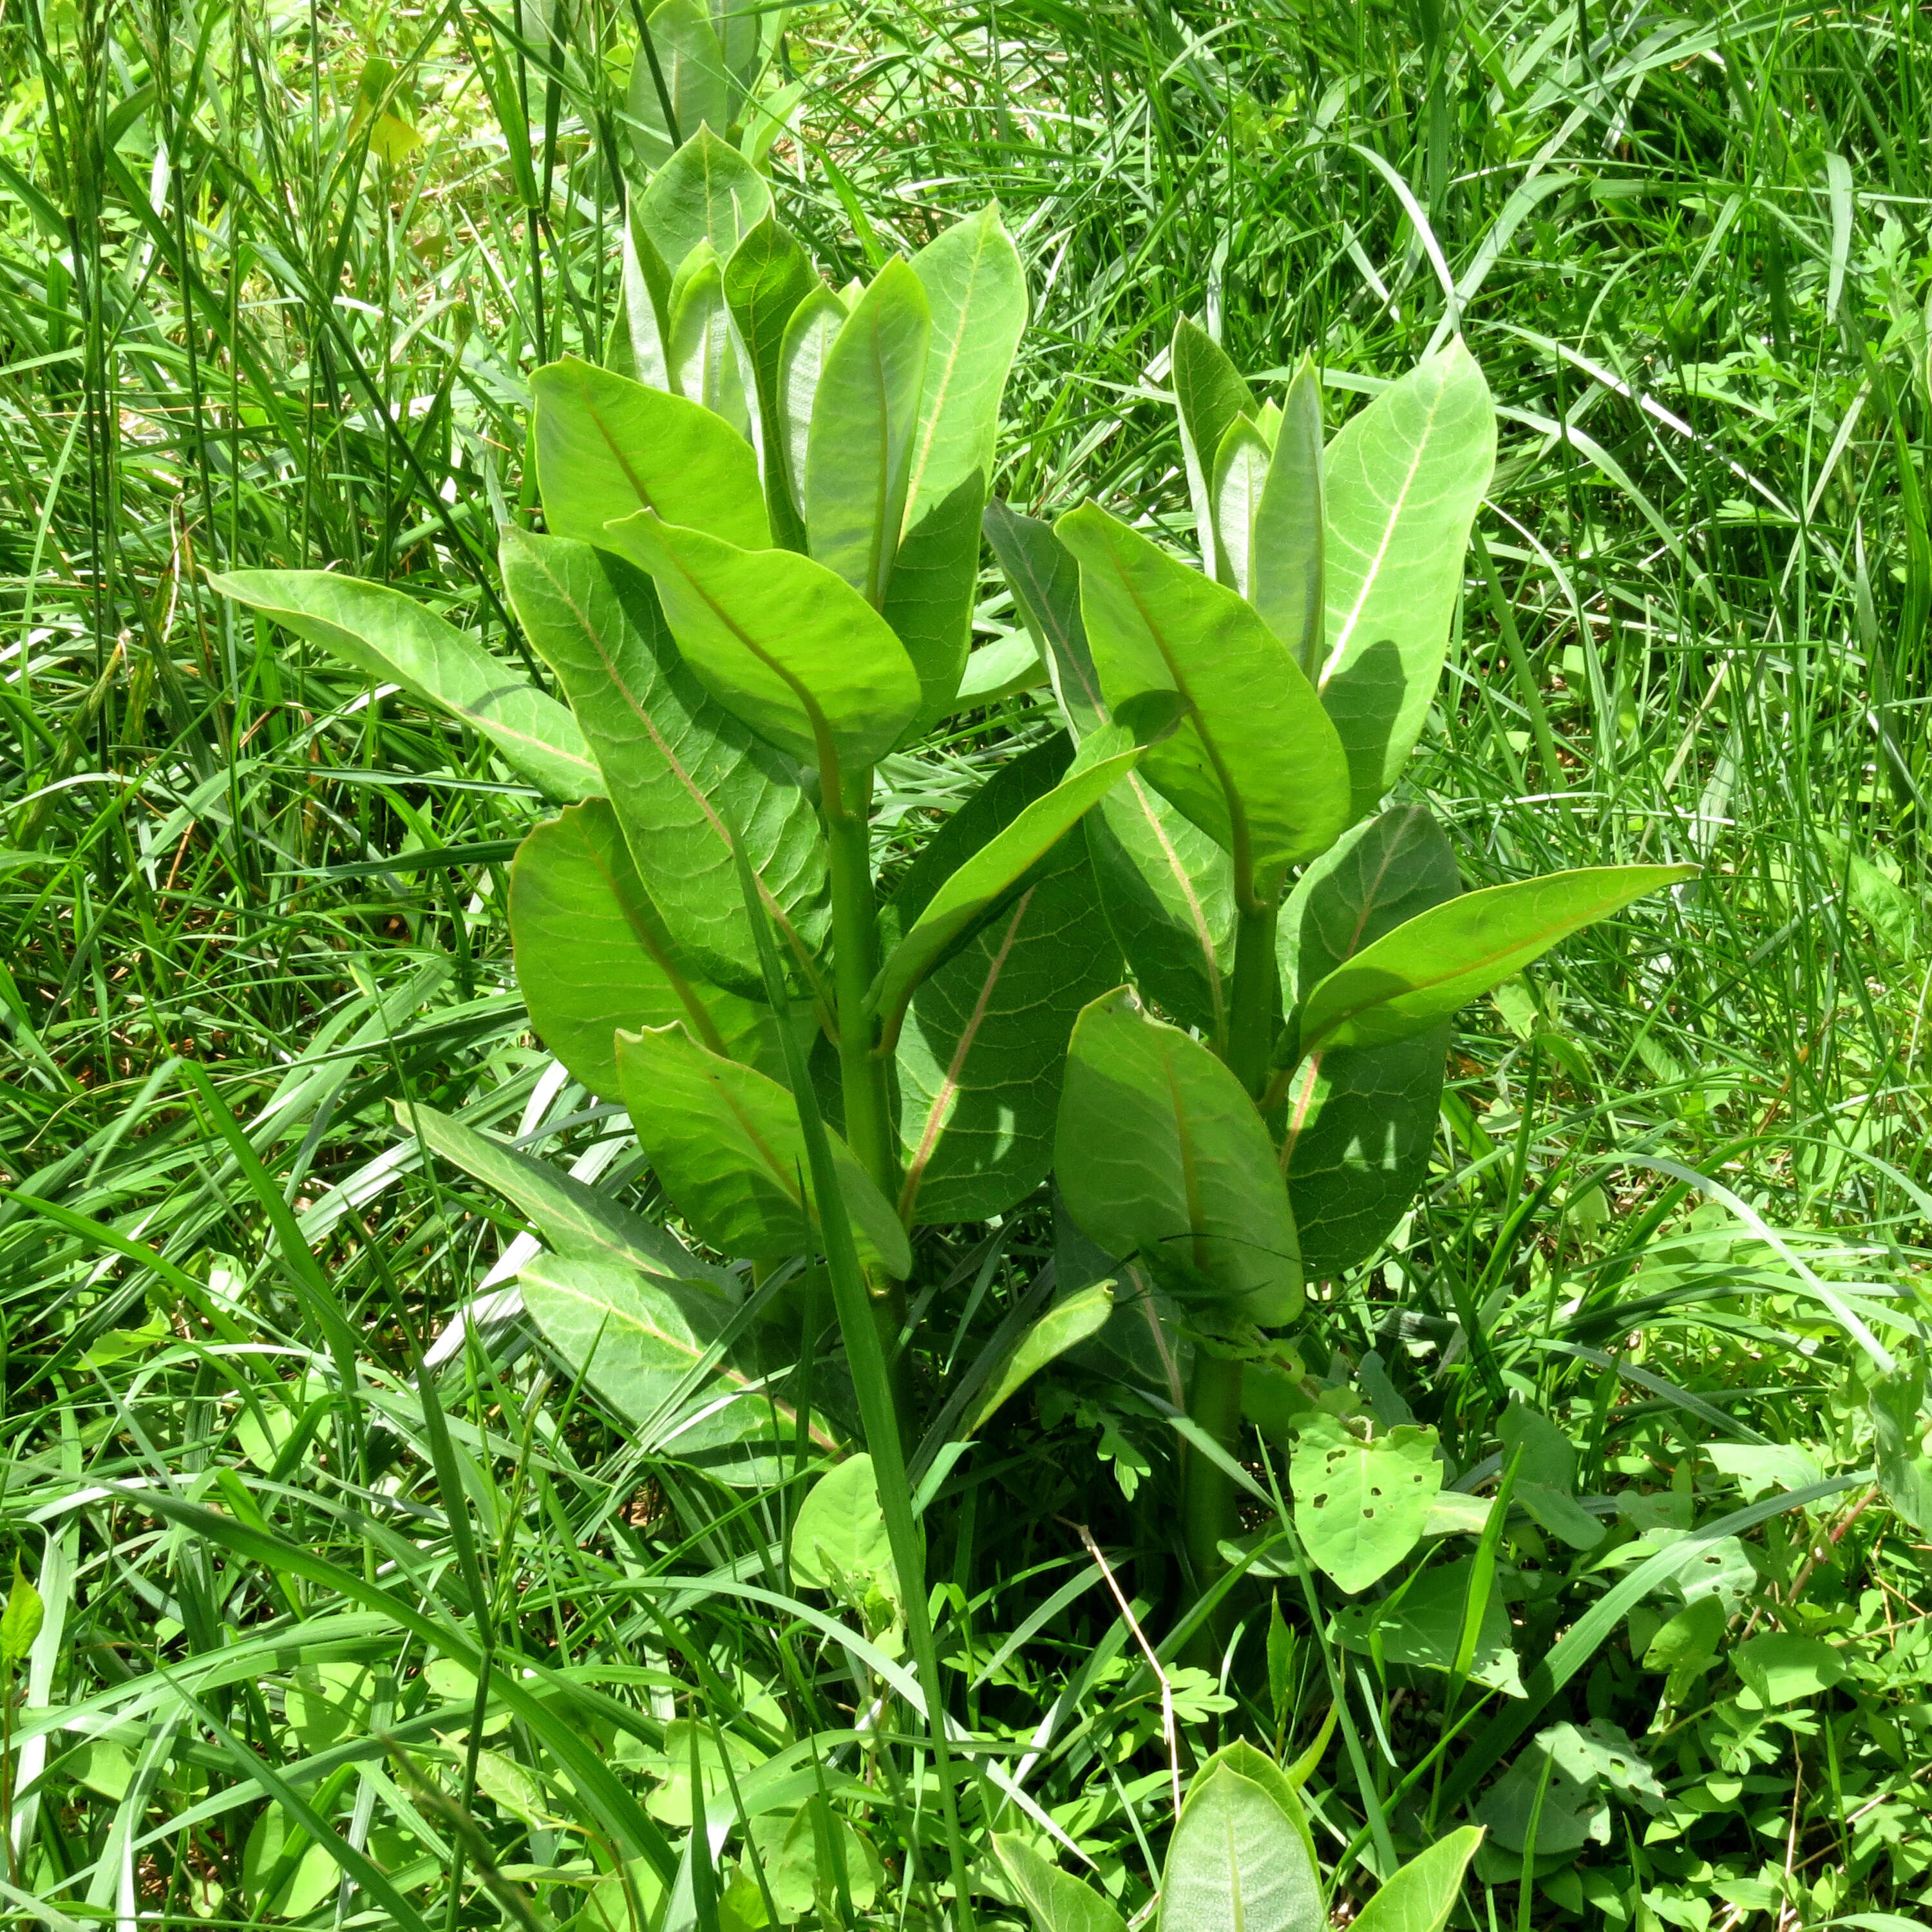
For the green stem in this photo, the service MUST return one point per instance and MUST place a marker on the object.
(1253, 1004)
(862, 1071)
(1208, 1502)
(855, 951)
(1214, 1400)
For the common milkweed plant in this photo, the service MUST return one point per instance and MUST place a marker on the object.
(1178, 958)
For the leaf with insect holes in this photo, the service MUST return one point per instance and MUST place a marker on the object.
(1359, 1507)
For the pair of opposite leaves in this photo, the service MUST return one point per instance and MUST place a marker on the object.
(1241, 1854)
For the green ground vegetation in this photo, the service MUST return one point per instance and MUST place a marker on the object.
(343, 1592)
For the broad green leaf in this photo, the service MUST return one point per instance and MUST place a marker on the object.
(1169, 893)
(1285, 577)
(1559, 1513)
(1234, 496)
(1212, 396)
(1784, 1668)
(781, 642)
(20, 1621)
(809, 333)
(1761, 1468)
(1236, 1859)
(726, 1143)
(1065, 1325)
(691, 65)
(1424, 1892)
(513, 1789)
(1160, 1152)
(1378, 876)
(1359, 1124)
(1057, 1901)
(703, 358)
(998, 869)
(1689, 1641)
(1421, 1628)
(574, 1218)
(1420, 973)
(641, 1339)
(390, 637)
(1359, 1507)
(1168, 888)
(1358, 1131)
(707, 191)
(593, 954)
(976, 294)
(981, 1052)
(1899, 1430)
(645, 288)
(1254, 1764)
(839, 1544)
(606, 448)
(977, 298)
(1044, 581)
(930, 595)
(767, 278)
(1543, 1452)
(1565, 1812)
(1257, 765)
(1403, 477)
(840, 1529)
(683, 773)
(864, 418)
(996, 670)
(272, 1847)
(799, 1855)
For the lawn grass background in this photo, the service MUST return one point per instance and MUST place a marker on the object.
(272, 279)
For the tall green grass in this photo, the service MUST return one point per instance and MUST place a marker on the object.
(248, 907)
